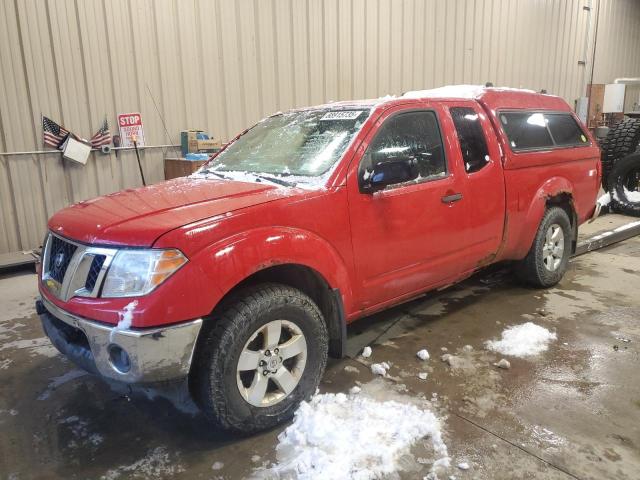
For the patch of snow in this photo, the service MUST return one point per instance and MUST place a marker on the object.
(80, 430)
(126, 316)
(504, 363)
(355, 390)
(353, 437)
(459, 91)
(604, 200)
(423, 375)
(217, 466)
(255, 458)
(632, 196)
(380, 368)
(463, 466)
(157, 463)
(467, 348)
(351, 369)
(366, 352)
(522, 340)
(423, 354)
(444, 349)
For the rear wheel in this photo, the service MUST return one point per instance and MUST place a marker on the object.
(547, 259)
(264, 354)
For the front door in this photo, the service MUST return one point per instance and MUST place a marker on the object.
(407, 236)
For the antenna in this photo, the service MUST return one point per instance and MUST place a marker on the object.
(164, 125)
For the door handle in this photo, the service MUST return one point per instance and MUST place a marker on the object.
(452, 198)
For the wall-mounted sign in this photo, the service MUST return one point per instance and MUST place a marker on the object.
(130, 125)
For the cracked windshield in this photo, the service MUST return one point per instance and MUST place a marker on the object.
(301, 144)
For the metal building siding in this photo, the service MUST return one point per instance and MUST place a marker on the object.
(221, 65)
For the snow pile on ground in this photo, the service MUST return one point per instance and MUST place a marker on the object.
(522, 340)
(353, 437)
(423, 354)
(380, 368)
(366, 352)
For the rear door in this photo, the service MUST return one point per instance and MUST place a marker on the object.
(478, 150)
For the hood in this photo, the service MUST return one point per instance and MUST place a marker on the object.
(137, 217)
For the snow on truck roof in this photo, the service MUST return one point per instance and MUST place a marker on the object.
(460, 91)
(494, 97)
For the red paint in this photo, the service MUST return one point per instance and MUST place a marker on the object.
(377, 249)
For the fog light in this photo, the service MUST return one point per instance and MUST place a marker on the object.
(119, 359)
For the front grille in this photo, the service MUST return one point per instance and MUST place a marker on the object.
(94, 271)
(59, 258)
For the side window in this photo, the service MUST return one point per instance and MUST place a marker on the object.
(526, 130)
(472, 141)
(411, 136)
(565, 130)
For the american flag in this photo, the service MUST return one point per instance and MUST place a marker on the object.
(102, 136)
(53, 134)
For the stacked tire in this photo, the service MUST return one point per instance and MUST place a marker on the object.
(621, 166)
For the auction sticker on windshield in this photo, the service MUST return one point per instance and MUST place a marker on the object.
(342, 115)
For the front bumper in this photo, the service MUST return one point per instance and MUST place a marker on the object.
(152, 354)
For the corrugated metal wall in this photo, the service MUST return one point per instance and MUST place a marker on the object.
(220, 65)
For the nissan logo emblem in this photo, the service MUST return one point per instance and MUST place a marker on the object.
(58, 260)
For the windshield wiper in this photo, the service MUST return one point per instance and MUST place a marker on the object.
(217, 174)
(279, 181)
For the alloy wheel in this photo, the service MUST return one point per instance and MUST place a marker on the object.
(271, 363)
(553, 248)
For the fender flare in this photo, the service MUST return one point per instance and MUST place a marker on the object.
(552, 187)
(230, 261)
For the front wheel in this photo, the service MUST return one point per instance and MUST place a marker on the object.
(265, 353)
(548, 257)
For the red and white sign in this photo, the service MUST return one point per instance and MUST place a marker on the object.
(130, 125)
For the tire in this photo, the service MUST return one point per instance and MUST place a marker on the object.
(622, 140)
(623, 180)
(227, 395)
(539, 269)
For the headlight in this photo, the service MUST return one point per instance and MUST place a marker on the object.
(136, 272)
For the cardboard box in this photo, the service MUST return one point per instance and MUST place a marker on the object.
(179, 167)
(189, 141)
(209, 145)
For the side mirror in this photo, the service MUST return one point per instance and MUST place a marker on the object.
(389, 171)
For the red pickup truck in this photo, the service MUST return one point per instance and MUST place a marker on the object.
(243, 277)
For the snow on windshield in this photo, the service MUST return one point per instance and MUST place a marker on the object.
(290, 147)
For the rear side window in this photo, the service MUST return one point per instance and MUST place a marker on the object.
(471, 137)
(526, 130)
(565, 130)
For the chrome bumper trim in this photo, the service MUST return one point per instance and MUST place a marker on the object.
(156, 354)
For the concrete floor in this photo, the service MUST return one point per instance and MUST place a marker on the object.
(571, 412)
